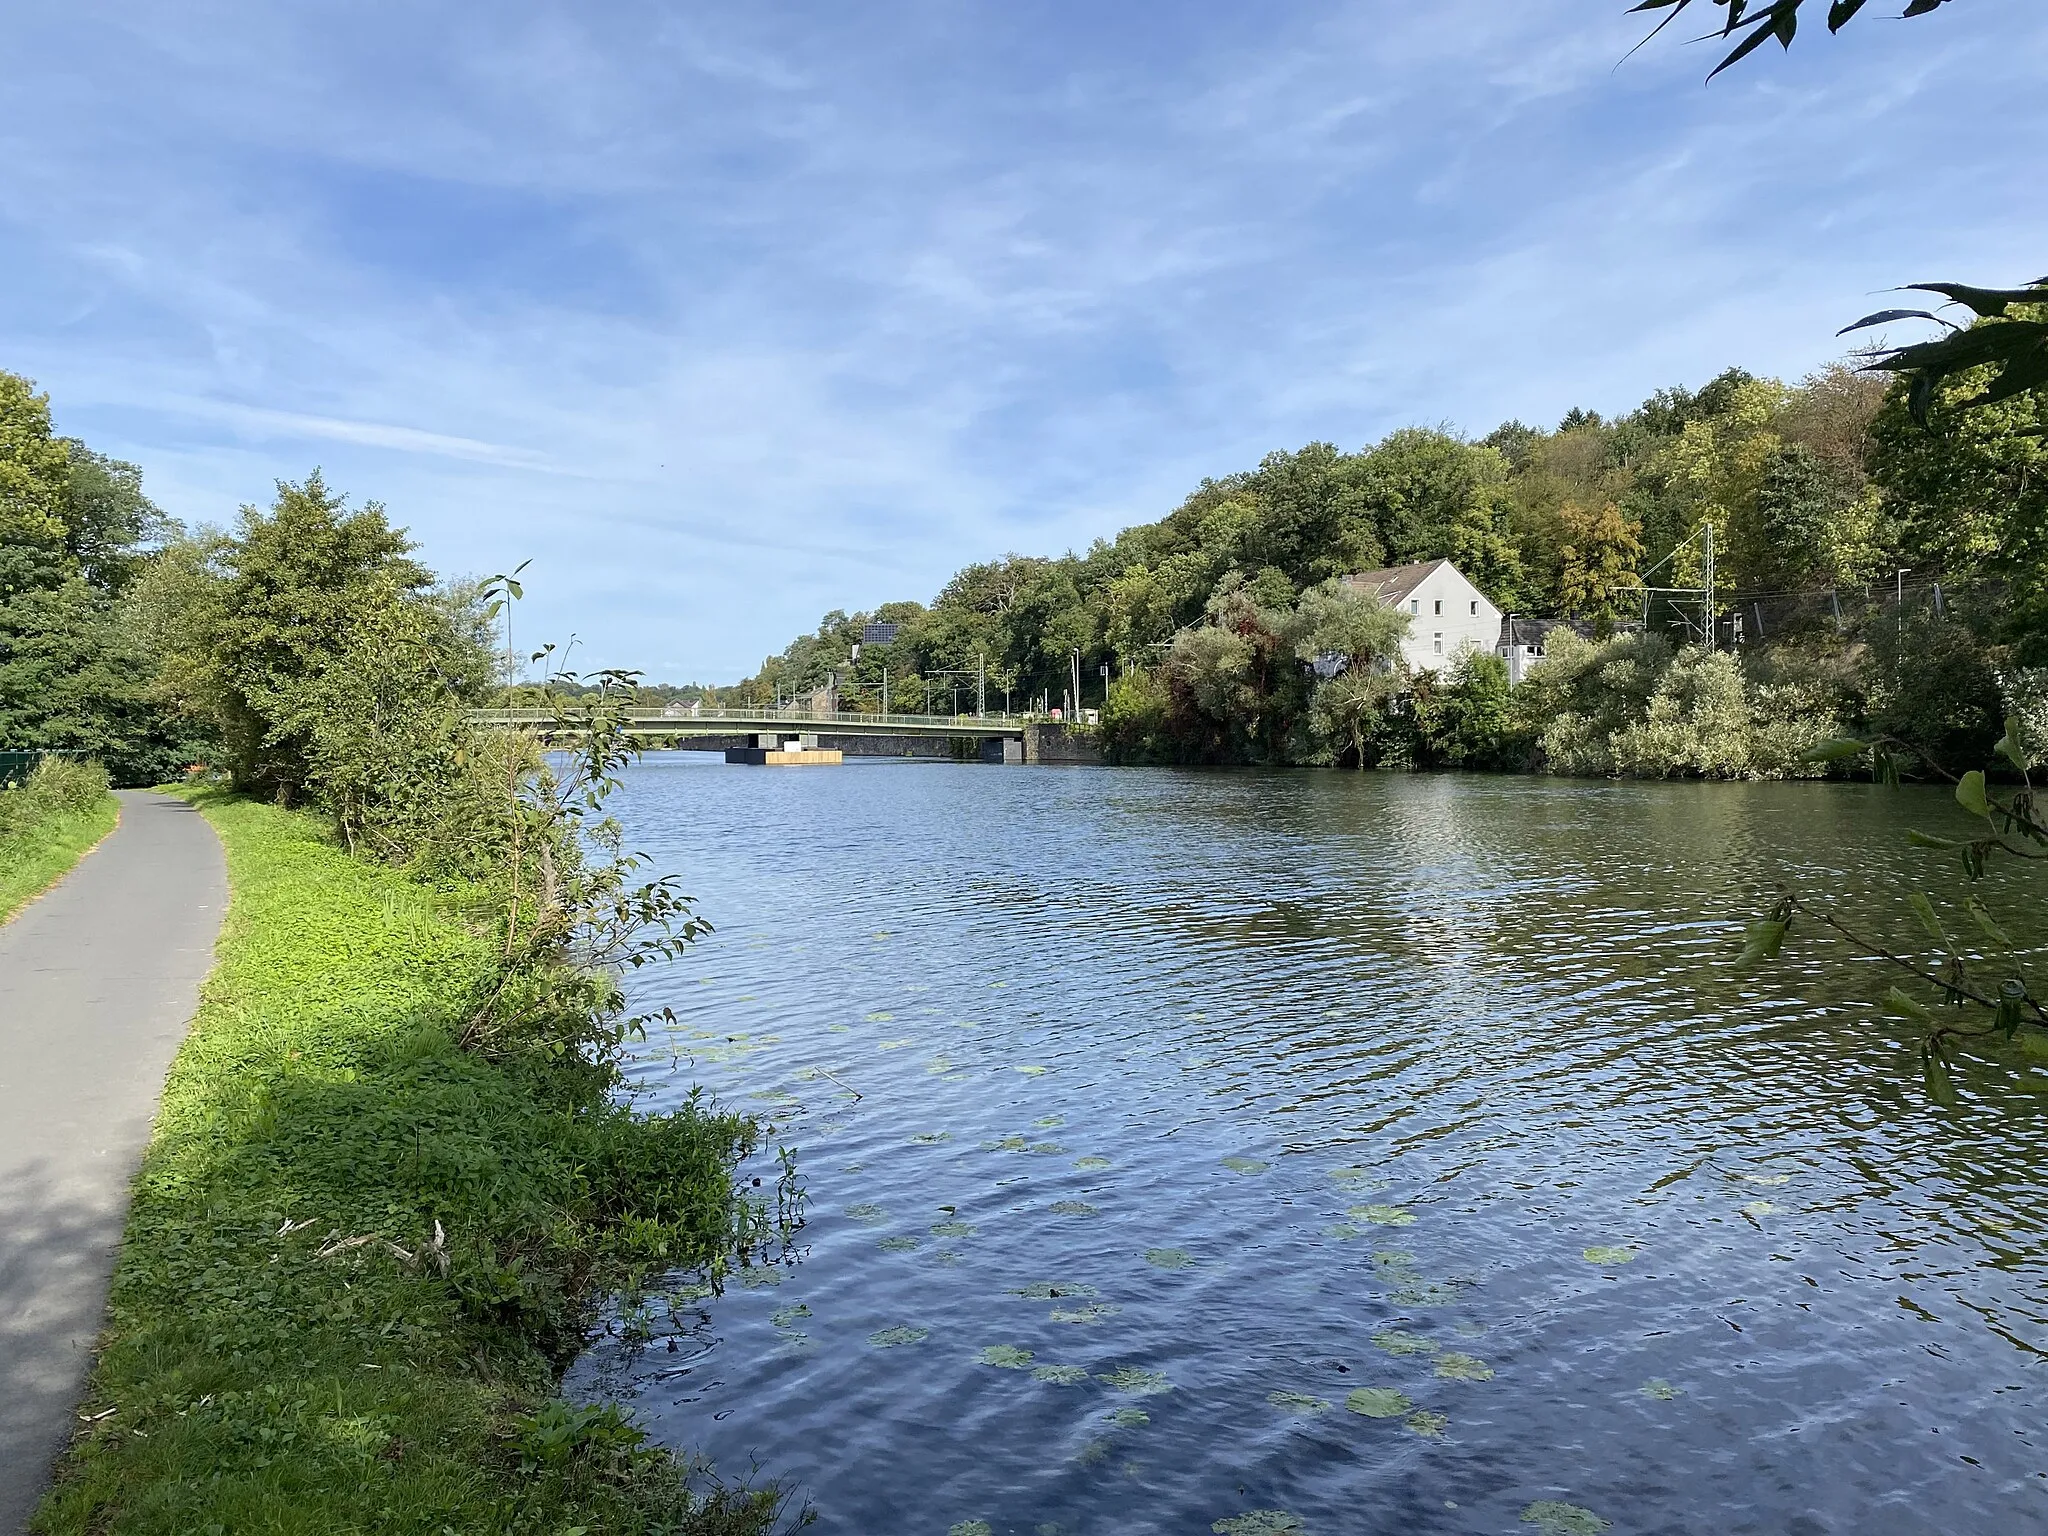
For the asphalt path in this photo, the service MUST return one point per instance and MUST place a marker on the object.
(98, 981)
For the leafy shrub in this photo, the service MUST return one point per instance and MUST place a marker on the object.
(56, 786)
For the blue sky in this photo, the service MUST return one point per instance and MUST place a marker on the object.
(725, 315)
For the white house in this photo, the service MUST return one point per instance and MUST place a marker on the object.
(1446, 613)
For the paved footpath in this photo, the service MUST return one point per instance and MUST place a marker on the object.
(98, 981)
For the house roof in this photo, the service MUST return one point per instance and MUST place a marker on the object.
(1395, 581)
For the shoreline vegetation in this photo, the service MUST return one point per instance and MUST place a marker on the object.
(58, 814)
(360, 1252)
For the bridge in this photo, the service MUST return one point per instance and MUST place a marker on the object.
(995, 738)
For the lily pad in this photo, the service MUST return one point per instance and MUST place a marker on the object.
(1768, 1180)
(1008, 1356)
(1168, 1258)
(890, 1338)
(1343, 1231)
(1094, 1311)
(1007, 1144)
(1430, 1426)
(970, 1528)
(1396, 1342)
(1419, 1293)
(1382, 1215)
(894, 1045)
(899, 1244)
(1050, 1148)
(931, 1138)
(760, 1275)
(1454, 1366)
(881, 1018)
(1060, 1375)
(1051, 1290)
(1048, 1122)
(1092, 1164)
(867, 1213)
(1379, 1402)
(953, 1229)
(1128, 1418)
(1659, 1390)
(1610, 1255)
(1075, 1208)
(1289, 1401)
(1091, 1453)
(1245, 1165)
(1030, 1071)
(1555, 1519)
(1354, 1178)
(782, 1317)
(1260, 1522)
(1136, 1382)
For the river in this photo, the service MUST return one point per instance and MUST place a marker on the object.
(1257, 1152)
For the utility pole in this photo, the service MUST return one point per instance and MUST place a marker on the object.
(885, 692)
(980, 684)
(1712, 637)
(1074, 659)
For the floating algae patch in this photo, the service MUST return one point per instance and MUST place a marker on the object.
(952, 1229)
(1136, 1382)
(1343, 1231)
(1128, 1418)
(1430, 1426)
(1382, 1215)
(1093, 1452)
(1555, 1519)
(761, 1275)
(881, 1018)
(1007, 1144)
(1417, 1292)
(1245, 1165)
(899, 1244)
(839, 1029)
(1008, 1356)
(1396, 1342)
(894, 1045)
(1392, 1261)
(946, 1256)
(1356, 1178)
(690, 1293)
(1757, 1208)
(1049, 1148)
(1092, 1164)
(1768, 1180)
(782, 1317)
(1050, 1290)
(938, 1066)
(1075, 1208)
(1610, 1255)
(794, 1342)
(1049, 1122)
(1095, 1311)
(931, 1138)
(1454, 1366)
(1288, 1401)
(1060, 1375)
(1030, 1071)
(1379, 1402)
(1168, 1258)
(970, 1528)
(867, 1213)
(890, 1338)
(1660, 1390)
(1260, 1522)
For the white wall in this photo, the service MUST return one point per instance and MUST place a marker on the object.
(1446, 612)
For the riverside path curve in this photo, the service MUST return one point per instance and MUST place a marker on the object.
(99, 979)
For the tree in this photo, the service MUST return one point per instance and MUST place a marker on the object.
(1598, 559)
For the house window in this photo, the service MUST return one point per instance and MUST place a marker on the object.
(1475, 610)
(1415, 605)
(1439, 645)
(1439, 605)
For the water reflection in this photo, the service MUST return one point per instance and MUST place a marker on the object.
(1189, 1102)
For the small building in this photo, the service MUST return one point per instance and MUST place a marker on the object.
(1446, 613)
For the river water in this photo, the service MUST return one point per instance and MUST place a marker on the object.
(1255, 1152)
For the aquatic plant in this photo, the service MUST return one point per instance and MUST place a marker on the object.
(1074, 1208)
(1395, 1342)
(1382, 1215)
(1128, 1418)
(953, 1229)
(1050, 1148)
(1453, 1366)
(1555, 1519)
(881, 1018)
(1757, 1208)
(1092, 1164)
(890, 1338)
(1343, 1231)
(1430, 1426)
(1138, 1383)
(1354, 1178)
(1168, 1258)
(782, 1317)
(931, 1138)
(1260, 1522)
(1047, 1290)
(1093, 1312)
(1008, 1356)
(970, 1528)
(867, 1213)
(894, 1045)
(1030, 1071)
(1289, 1401)
(1610, 1255)
(1245, 1165)
(1007, 1144)
(756, 1276)
(898, 1244)
(1049, 1122)
(1060, 1375)
(1660, 1390)
(1379, 1402)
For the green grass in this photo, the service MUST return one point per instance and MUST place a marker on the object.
(251, 1384)
(33, 859)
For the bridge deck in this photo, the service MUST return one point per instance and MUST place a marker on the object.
(653, 722)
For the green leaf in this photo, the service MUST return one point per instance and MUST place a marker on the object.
(1923, 908)
(1765, 938)
(1841, 11)
(1970, 794)
(1987, 924)
(1907, 1007)
(1834, 750)
(1921, 839)
(1940, 1086)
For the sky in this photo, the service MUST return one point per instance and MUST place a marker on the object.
(726, 315)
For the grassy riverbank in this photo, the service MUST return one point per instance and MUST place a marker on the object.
(358, 1254)
(47, 824)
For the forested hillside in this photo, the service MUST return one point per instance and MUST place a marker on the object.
(1826, 492)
